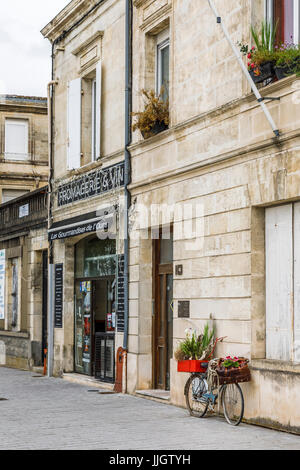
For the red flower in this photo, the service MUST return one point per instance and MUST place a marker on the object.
(249, 64)
(249, 55)
(252, 66)
(253, 48)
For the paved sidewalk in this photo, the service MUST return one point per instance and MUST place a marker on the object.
(42, 413)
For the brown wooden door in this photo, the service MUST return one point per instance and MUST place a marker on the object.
(163, 320)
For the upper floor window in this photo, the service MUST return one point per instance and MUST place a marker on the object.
(84, 119)
(16, 139)
(286, 13)
(163, 64)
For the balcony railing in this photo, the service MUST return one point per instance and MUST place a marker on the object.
(24, 212)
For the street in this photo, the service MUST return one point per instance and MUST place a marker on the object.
(41, 413)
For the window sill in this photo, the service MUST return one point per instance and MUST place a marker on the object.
(273, 365)
(14, 334)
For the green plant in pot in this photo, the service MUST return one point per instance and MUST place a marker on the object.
(196, 347)
(287, 60)
(155, 117)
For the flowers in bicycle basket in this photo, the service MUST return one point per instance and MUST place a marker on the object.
(196, 346)
(231, 362)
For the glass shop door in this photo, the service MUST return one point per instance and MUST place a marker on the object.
(95, 319)
(83, 327)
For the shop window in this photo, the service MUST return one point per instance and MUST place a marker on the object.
(16, 139)
(283, 282)
(286, 13)
(84, 119)
(95, 258)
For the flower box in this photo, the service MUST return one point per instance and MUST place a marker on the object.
(283, 72)
(157, 128)
(192, 366)
(262, 73)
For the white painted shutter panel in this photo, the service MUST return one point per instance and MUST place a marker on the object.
(74, 124)
(297, 282)
(279, 281)
(98, 108)
(16, 139)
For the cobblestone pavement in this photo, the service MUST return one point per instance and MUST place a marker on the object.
(42, 413)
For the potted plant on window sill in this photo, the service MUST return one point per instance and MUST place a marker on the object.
(155, 117)
(194, 352)
(287, 60)
(261, 57)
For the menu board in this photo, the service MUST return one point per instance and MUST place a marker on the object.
(58, 306)
(2, 284)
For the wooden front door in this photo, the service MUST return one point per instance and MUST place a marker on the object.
(163, 314)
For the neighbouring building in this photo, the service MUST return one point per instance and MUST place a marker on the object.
(88, 39)
(23, 145)
(238, 187)
(23, 280)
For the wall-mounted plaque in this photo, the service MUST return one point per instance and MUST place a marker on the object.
(58, 304)
(183, 309)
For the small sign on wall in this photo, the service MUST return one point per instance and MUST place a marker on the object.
(183, 309)
(2, 284)
(58, 306)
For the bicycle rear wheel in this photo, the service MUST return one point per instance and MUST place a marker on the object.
(195, 388)
(233, 403)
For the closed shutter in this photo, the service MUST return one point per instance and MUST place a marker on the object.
(74, 124)
(98, 108)
(10, 194)
(279, 282)
(297, 282)
(16, 139)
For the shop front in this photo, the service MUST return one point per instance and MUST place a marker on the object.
(95, 307)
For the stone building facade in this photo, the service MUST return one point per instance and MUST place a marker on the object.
(23, 280)
(231, 192)
(23, 145)
(88, 154)
(215, 200)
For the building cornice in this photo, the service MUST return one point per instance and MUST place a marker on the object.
(67, 17)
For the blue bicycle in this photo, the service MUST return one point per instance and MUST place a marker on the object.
(203, 393)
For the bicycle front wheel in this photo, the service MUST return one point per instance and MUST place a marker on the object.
(233, 404)
(195, 388)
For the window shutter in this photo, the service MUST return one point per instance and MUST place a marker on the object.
(16, 139)
(98, 108)
(279, 281)
(297, 282)
(74, 124)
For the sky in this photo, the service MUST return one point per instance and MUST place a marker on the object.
(25, 56)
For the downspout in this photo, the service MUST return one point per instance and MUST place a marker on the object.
(50, 325)
(128, 106)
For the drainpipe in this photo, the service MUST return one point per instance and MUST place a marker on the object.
(50, 347)
(128, 105)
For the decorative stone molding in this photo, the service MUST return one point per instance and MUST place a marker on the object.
(89, 52)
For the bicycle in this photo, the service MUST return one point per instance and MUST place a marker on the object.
(201, 396)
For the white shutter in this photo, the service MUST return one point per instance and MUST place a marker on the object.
(16, 139)
(74, 124)
(297, 282)
(98, 108)
(10, 194)
(279, 281)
